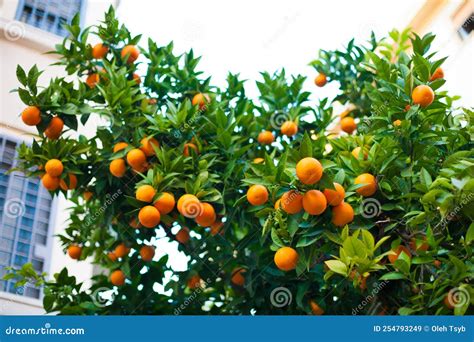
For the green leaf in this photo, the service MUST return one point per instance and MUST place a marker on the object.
(337, 266)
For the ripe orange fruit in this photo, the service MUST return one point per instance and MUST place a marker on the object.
(216, 228)
(54, 129)
(117, 278)
(335, 197)
(266, 138)
(121, 250)
(407, 108)
(258, 160)
(131, 51)
(289, 128)
(423, 95)
(394, 257)
(356, 153)
(370, 186)
(99, 51)
(309, 170)
(72, 182)
(136, 159)
(238, 276)
(194, 282)
(342, 214)
(207, 215)
(277, 204)
(314, 202)
(320, 80)
(147, 253)
(112, 256)
(257, 194)
(437, 263)
(449, 301)
(187, 147)
(118, 168)
(165, 203)
(201, 99)
(348, 124)
(439, 73)
(315, 308)
(74, 252)
(397, 123)
(87, 195)
(419, 244)
(292, 202)
(286, 258)
(31, 116)
(54, 167)
(149, 216)
(145, 193)
(120, 146)
(189, 206)
(137, 78)
(182, 236)
(147, 145)
(50, 183)
(92, 80)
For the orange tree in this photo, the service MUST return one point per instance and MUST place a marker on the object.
(276, 213)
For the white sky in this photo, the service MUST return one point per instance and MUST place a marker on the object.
(249, 36)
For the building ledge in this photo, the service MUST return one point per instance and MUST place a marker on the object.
(14, 298)
(28, 36)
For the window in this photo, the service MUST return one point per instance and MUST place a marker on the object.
(49, 15)
(467, 27)
(20, 233)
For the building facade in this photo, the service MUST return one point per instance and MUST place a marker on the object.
(30, 218)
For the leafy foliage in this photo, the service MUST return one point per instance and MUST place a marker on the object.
(424, 169)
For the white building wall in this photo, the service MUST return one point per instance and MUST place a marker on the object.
(25, 45)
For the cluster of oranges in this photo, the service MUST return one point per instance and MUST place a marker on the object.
(288, 128)
(52, 180)
(314, 202)
(136, 157)
(129, 53)
(31, 116)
